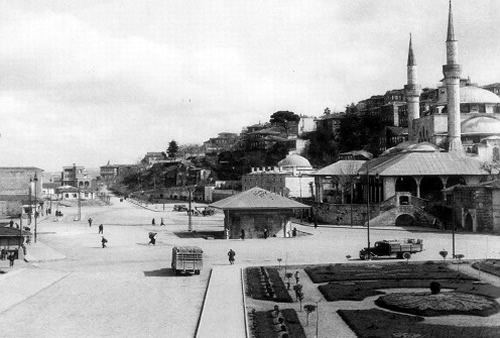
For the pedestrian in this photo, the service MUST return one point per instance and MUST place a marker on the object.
(162, 223)
(104, 241)
(101, 229)
(3, 254)
(152, 238)
(11, 259)
(266, 233)
(231, 255)
(294, 232)
(315, 221)
(90, 222)
(297, 278)
(153, 222)
(242, 236)
(11, 223)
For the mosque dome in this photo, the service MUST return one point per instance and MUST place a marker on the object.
(296, 161)
(481, 125)
(412, 146)
(471, 94)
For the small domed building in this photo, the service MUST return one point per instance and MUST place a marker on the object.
(291, 178)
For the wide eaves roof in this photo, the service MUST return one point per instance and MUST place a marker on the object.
(257, 198)
(12, 232)
(424, 164)
(340, 168)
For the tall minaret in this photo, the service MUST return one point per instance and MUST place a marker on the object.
(451, 73)
(412, 92)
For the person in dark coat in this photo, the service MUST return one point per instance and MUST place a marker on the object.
(242, 236)
(266, 233)
(104, 241)
(90, 222)
(152, 238)
(101, 229)
(231, 255)
(153, 222)
(11, 259)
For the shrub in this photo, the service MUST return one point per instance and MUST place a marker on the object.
(435, 287)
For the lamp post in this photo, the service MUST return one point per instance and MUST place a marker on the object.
(190, 222)
(36, 204)
(29, 199)
(367, 207)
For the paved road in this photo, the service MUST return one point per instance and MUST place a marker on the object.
(128, 289)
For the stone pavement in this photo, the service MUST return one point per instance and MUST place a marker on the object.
(223, 314)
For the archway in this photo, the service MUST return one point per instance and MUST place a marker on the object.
(406, 183)
(431, 187)
(469, 223)
(404, 220)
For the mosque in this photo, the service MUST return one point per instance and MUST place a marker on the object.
(454, 141)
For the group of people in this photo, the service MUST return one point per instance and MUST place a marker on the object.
(4, 254)
(153, 222)
(101, 231)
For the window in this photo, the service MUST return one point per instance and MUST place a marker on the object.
(496, 154)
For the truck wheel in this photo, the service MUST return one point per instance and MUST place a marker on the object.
(197, 272)
(366, 257)
(406, 255)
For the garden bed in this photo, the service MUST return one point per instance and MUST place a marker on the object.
(359, 290)
(377, 323)
(489, 265)
(264, 283)
(263, 324)
(383, 271)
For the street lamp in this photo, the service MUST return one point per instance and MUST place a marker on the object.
(36, 203)
(367, 207)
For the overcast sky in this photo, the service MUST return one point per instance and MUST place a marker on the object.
(90, 81)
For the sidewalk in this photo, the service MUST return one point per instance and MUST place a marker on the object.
(38, 252)
(223, 314)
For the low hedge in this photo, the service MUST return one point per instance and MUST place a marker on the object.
(377, 323)
(383, 271)
(264, 327)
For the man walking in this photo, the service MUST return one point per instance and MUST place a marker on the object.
(231, 255)
(90, 222)
(104, 241)
(11, 259)
(101, 229)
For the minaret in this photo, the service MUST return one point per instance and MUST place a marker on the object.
(451, 73)
(412, 93)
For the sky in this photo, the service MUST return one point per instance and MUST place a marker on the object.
(89, 82)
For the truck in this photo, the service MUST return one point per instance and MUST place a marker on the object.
(187, 260)
(388, 248)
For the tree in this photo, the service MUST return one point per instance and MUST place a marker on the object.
(322, 147)
(310, 308)
(173, 148)
(284, 119)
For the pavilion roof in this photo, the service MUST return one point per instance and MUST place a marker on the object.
(424, 164)
(12, 232)
(340, 168)
(257, 198)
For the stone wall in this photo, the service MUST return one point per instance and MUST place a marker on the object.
(340, 214)
(254, 223)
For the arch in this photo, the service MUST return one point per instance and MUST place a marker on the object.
(454, 180)
(406, 183)
(469, 222)
(404, 220)
(431, 188)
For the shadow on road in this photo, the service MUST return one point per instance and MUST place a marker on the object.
(166, 272)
